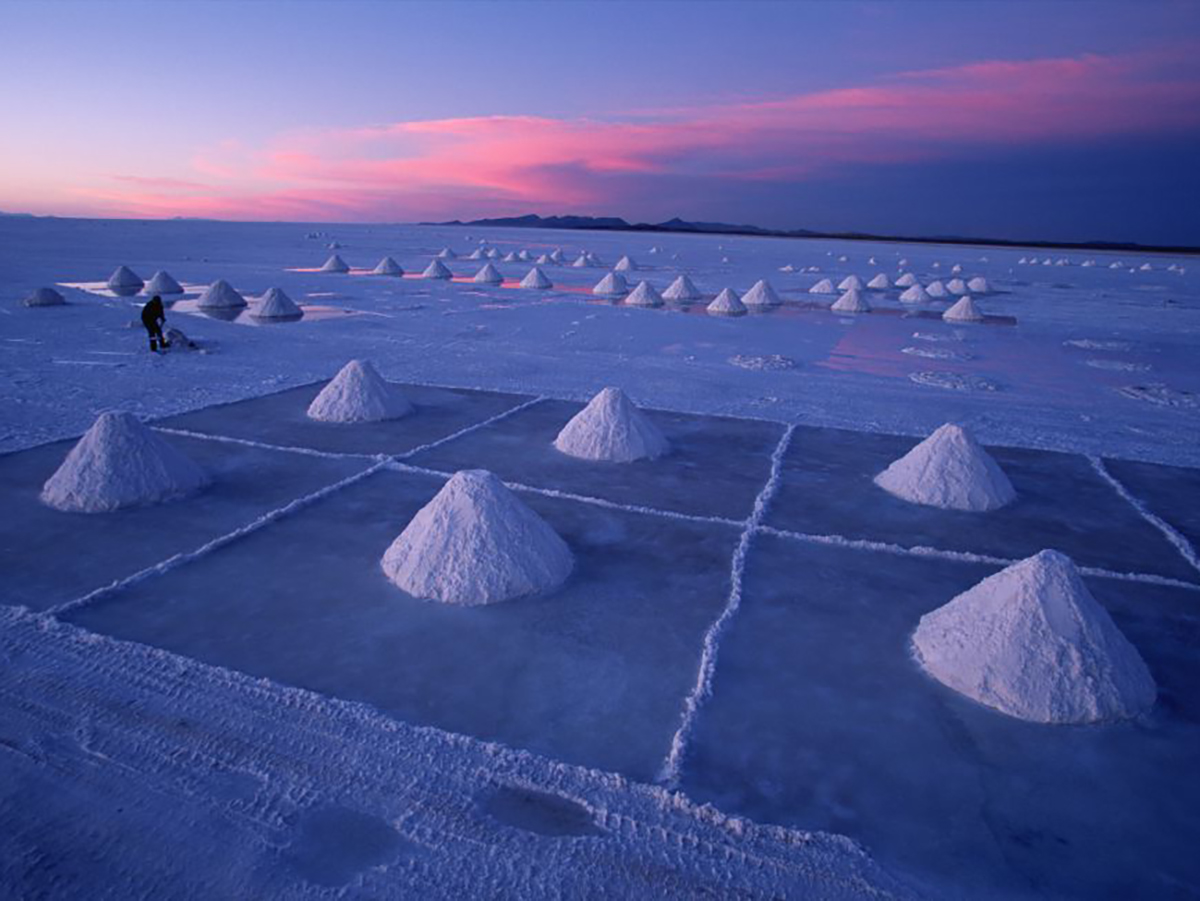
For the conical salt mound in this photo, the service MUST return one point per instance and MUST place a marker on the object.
(594, 259)
(935, 289)
(1032, 642)
(681, 289)
(580, 262)
(477, 254)
(727, 303)
(447, 254)
(358, 394)
(556, 255)
(948, 470)
(612, 284)
(275, 304)
(879, 282)
(625, 264)
(956, 286)
(964, 310)
(644, 295)
(611, 428)
(851, 302)
(907, 280)
(761, 295)
(44, 297)
(544, 260)
(125, 281)
(477, 543)
(524, 256)
(509, 257)
(220, 295)
(387, 266)
(850, 281)
(914, 294)
(162, 283)
(335, 264)
(437, 269)
(824, 286)
(535, 278)
(493, 253)
(488, 275)
(120, 463)
(979, 285)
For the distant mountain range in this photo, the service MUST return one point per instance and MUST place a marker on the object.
(677, 225)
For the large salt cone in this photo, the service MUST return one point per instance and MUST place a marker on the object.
(335, 264)
(359, 394)
(761, 295)
(611, 428)
(949, 469)
(220, 295)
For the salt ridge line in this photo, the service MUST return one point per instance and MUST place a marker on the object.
(180, 559)
(1181, 544)
(262, 445)
(884, 547)
(672, 767)
(469, 429)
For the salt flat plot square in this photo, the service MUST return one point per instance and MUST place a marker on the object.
(1171, 492)
(594, 673)
(820, 719)
(48, 557)
(1062, 503)
(716, 466)
(281, 419)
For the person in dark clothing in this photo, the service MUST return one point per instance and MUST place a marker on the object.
(153, 318)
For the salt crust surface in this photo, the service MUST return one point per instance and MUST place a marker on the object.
(358, 394)
(613, 429)
(1032, 642)
(119, 462)
(949, 469)
(477, 543)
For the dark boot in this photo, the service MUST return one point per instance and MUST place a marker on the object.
(153, 346)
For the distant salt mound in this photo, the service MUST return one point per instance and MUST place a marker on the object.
(388, 266)
(580, 262)
(727, 303)
(124, 281)
(119, 463)
(761, 295)
(493, 253)
(488, 275)
(477, 254)
(335, 264)
(163, 283)
(935, 289)
(220, 295)
(510, 257)
(956, 286)
(950, 470)
(787, 268)
(611, 285)
(625, 264)
(824, 286)
(358, 394)
(544, 260)
(477, 543)
(879, 282)
(850, 281)
(1145, 267)
(447, 254)
(681, 289)
(44, 297)
(851, 302)
(914, 294)
(964, 310)
(437, 269)
(979, 285)
(275, 304)
(955, 269)
(524, 256)
(535, 278)
(1032, 642)
(594, 259)
(613, 429)
(556, 255)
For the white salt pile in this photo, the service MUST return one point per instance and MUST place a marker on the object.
(488, 275)
(949, 469)
(335, 264)
(956, 286)
(118, 463)
(1032, 642)
(447, 254)
(535, 278)
(1145, 267)
(850, 281)
(851, 302)
(914, 294)
(523, 256)
(556, 255)
(787, 268)
(580, 262)
(477, 254)
(544, 260)
(611, 428)
(644, 295)
(879, 282)
(510, 257)
(220, 295)
(493, 253)
(44, 297)
(979, 285)
(612, 284)
(626, 264)
(125, 281)
(358, 394)
(935, 289)
(824, 286)
(437, 269)
(388, 266)
(955, 269)
(761, 295)
(594, 259)
(964, 310)
(162, 283)
(727, 303)
(477, 543)
(681, 289)
(275, 304)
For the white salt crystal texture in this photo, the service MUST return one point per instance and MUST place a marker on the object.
(359, 394)
(949, 469)
(612, 428)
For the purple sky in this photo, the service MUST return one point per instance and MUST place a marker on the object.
(1069, 120)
